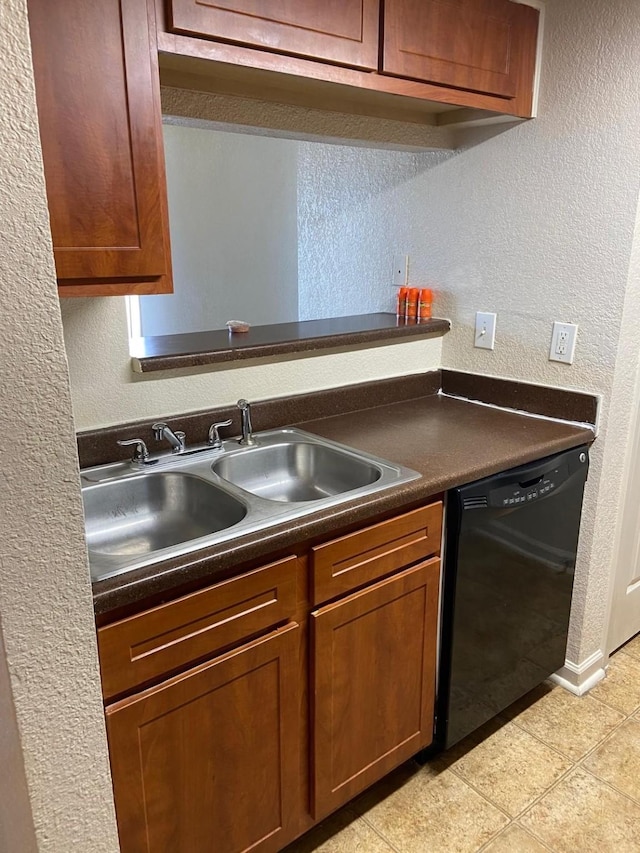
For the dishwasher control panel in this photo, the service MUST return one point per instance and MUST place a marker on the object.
(517, 494)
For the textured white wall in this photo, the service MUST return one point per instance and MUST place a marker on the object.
(352, 219)
(234, 240)
(272, 230)
(537, 224)
(45, 594)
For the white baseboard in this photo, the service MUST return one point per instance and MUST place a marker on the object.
(580, 678)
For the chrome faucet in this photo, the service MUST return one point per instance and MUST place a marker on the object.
(245, 417)
(176, 439)
(140, 453)
(214, 439)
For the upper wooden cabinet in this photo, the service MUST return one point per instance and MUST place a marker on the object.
(434, 53)
(476, 45)
(98, 96)
(342, 31)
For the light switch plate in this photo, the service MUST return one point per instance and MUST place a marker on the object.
(485, 334)
(563, 342)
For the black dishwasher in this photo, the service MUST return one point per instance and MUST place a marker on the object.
(508, 578)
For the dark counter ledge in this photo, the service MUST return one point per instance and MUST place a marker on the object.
(168, 352)
(449, 441)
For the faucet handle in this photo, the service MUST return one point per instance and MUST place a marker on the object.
(214, 436)
(140, 454)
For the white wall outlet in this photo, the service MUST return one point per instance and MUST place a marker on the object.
(485, 334)
(563, 342)
(400, 270)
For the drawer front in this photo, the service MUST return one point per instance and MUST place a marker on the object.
(148, 645)
(345, 564)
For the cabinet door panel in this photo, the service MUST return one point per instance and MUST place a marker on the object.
(209, 760)
(344, 31)
(466, 44)
(374, 658)
(97, 91)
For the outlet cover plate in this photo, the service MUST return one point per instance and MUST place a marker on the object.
(563, 342)
(400, 270)
(485, 333)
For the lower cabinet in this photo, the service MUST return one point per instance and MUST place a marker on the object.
(374, 665)
(241, 714)
(209, 760)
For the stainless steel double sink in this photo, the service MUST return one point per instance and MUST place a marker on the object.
(138, 514)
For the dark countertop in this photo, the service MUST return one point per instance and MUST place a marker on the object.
(449, 441)
(168, 352)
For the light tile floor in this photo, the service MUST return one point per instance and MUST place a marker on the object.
(555, 772)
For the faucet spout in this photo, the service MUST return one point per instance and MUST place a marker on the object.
(175, 439)
(245, 418)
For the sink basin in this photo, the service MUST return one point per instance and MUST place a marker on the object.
(146, 513)
(174, 505)
(296, 471)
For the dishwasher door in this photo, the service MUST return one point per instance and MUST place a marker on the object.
(509, 566)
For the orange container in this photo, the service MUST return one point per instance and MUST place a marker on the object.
(424, 303)
(412, 303)
(401, 310)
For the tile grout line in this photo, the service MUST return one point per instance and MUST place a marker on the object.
(534, 836)
(513, 823)
(479, 793)
(578, 765)
(575, 763)
(588, 752)
(484, 796)
(380, 835)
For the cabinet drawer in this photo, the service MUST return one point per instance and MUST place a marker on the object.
(359, 558)
(147, 645)
(344, 32)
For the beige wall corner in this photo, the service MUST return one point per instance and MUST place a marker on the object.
(16, 821)
(45, 594)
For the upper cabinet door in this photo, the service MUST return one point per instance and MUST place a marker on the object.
(477, 45)
(342, 31)
(98, 96)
